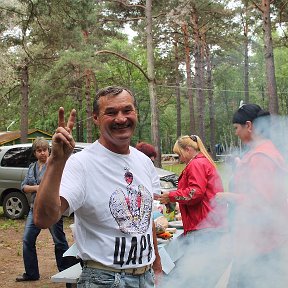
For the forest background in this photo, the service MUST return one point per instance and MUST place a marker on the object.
(190, 64)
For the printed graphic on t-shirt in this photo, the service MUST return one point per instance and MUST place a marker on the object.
(138, 248)
(131, 208)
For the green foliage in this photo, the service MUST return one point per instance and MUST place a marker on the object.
(280, 56)
(59, 41)
(8, 224)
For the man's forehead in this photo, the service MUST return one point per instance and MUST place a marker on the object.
(116, 101)
(118, 106)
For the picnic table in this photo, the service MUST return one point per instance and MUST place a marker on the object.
(170, 251)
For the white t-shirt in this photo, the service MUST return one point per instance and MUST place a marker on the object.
(111, 196)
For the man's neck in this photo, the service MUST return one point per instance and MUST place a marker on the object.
(119, 149)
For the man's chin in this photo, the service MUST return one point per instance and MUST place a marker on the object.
(123, 134)
(123, 138)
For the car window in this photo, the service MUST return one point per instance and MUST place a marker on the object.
(77, 149)
(18, 157)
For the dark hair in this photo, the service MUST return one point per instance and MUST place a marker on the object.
(109, 91)
(248, 112)
(147, 149)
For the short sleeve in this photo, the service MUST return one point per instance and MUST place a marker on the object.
(72, 186)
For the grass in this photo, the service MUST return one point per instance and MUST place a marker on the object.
(221, 166)
(176, 168)
(6, 223)
(9, 224)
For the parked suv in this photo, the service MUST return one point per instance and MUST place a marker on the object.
(14, 163)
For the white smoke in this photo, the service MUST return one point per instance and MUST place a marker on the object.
(258, 226)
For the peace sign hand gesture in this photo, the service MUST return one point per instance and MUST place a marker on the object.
(62, 141)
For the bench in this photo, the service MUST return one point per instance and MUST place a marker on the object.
(69, 275)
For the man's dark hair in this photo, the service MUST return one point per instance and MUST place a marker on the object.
(109, 91)
(248, 112)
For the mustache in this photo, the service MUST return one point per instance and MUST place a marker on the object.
(117, 126)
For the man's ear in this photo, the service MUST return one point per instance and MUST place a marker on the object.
(95, 118)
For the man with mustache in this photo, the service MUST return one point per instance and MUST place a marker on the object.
(118, 247)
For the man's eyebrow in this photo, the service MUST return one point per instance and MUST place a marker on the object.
(116, 108)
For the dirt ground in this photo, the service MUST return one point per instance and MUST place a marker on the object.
(11, 262)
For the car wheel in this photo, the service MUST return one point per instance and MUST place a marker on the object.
(15, 205)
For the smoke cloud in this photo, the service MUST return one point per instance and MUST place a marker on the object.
(254, 245)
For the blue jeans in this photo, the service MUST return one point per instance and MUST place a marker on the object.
(96, 278)
(29, 246)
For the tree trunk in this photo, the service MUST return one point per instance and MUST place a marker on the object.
(151, 83)
(25, 100)
(77, 84)
(246, 71)
(177, 91)
(79, 119)
(211, 104)
(189, 78)
(88, 106)
(199, 74)
(202, 100)
(269, 58)
(88, 96)
(94, 79)
(246, 56)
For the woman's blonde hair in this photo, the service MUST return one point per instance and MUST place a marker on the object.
(191, 141)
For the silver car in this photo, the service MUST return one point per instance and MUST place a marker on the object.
(14, 163)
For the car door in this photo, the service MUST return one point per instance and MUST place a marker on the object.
(14, 166)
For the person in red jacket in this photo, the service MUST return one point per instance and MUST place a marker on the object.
(198, 184)
(204, 222)
(259, 202)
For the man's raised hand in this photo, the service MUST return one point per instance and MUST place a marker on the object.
(62, 141)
